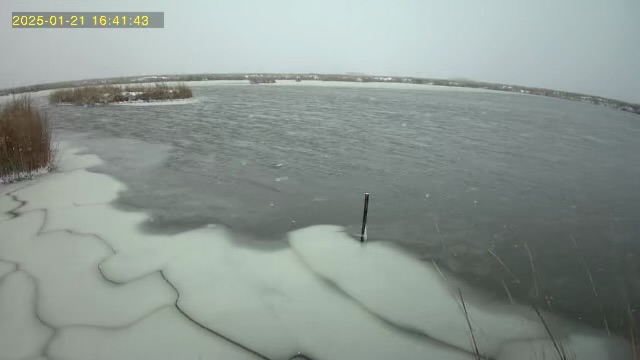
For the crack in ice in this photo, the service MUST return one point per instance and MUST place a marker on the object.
(188, 317)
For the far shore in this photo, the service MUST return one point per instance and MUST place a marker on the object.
(332, 80)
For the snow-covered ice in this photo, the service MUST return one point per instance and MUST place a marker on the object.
(6, 268)
(73, 263)
(22, 335)
(6, 206)
(389, 282)
(71, 288)
(163, 335)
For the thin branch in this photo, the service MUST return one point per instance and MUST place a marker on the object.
(473, 338)
(632, 335)
(506, 289)
(574, 241)
(593, 285)
(586, 268)
(533, 269)
(555, 342)
(606, 323)
(439, 234)
(435, 265)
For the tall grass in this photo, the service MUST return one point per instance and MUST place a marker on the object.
(476, 351)
(534, 274)
(557, 344)
(25, 140)
(593, 285)
(502, 263)
(97, 95)
(632, 333)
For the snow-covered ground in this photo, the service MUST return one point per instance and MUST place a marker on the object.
(24, 175)
(80, 280)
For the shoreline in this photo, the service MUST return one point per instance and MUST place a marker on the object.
(138, 103)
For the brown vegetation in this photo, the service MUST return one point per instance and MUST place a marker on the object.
(25, 140)
(96, 95)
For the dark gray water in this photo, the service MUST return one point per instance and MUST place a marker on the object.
(452, 175)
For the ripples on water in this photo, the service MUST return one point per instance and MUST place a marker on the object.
(452, 176)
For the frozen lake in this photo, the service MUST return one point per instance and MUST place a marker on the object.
(483, 186)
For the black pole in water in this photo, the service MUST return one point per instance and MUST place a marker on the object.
(364, 216)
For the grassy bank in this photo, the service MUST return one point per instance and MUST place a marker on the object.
(25, 140)
(107, 94)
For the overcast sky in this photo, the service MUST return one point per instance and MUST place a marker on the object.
(590, 46)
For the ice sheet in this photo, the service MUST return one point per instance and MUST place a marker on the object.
(72, 289)
(267, 300)
(272, 303)
(164, 335)
(6, 268)
(68, 189)
(264, 301)
(77, 161)
(22, 335)
(7, 204)
(410, 293)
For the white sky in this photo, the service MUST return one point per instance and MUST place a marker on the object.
(590, 46)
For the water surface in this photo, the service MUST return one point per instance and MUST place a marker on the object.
(455, 177)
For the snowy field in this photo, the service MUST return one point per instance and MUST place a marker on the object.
(80, 280)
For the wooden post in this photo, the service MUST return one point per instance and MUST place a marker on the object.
(364, 218)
